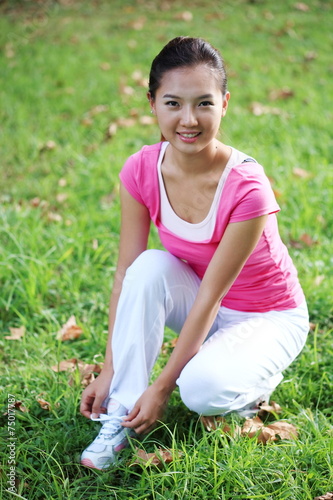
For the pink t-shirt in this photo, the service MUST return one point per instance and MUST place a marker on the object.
(268, 280)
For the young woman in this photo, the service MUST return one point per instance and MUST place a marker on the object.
(225, 283)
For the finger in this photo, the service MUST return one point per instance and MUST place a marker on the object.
(85, 406)
(96, 407)
(132, 414)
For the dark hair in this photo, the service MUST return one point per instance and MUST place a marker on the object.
(185, 51)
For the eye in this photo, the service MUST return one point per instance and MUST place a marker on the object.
(206, 103)
(172, 104)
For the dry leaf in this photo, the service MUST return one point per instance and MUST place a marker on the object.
(302, 6)
(259, 109)
(310, 56)
(48, 146)
(158, 458)
(318, 280)
(111, 130)
(44, 404)
(138, 24)
(86, 370)
(126, 122)
(272, 407)
(284, 93)
(283, 429)
(327, 496)
(96, 110)
(105, 66)
(66, 365)
(61, 197)
(266, 435)
(35, 202)
(54, 217)
(252, 426)
(255, 427)
(147, 120)
(70, 330)
(18, 405)
(16, 333)
(211, 423)
(307, 239)
(139, 79)
(300, 172)
(184, 16)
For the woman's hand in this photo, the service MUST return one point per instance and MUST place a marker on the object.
(94, 395)
(148, 409)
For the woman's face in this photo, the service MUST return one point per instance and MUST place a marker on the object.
(189, 106)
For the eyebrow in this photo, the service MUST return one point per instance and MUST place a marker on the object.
(171, 96)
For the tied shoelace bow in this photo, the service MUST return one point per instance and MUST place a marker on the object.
(111, 423)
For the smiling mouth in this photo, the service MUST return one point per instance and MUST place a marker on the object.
(189, 135)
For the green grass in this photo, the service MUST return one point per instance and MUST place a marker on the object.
(58, 253)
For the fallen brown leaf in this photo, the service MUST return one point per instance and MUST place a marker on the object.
(266, 408)
(308, 240)
(70, 330)
(48, 146)
(186, 16)
(302, 6)
(259, 109)
(327, 496)
(283, 429)
(300, 172)
(54, 217)
(18, 405)
(16, 333)
(138, 24)
(251, 426)
(86, 370)
(284, 93)
(211, 423)
(66, 365)
(105, 66)
(265, 434)
(44, 404)
(147, 120)
(318, 280)
(160, 457)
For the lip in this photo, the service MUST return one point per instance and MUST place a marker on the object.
(189, 140)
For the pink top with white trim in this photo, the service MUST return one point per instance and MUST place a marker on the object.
(268, 280)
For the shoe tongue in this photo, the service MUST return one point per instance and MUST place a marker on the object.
(115, 408)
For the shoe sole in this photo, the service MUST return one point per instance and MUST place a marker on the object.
(88, 463)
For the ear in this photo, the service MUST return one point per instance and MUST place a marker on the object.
(151, 102)
(225, 103)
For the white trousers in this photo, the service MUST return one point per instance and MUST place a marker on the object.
(241, 359)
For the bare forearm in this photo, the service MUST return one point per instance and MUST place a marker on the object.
(192, 335)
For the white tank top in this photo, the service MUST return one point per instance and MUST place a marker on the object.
(203, 230)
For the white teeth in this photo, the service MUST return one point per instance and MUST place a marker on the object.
(189, 136)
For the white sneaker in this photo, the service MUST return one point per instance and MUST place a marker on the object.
(112, 438)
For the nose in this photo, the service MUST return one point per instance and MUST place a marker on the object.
(188, 117)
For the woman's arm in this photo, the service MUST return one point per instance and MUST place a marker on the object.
(237, 244)
(135, 224)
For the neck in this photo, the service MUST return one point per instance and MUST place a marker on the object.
(201, 162)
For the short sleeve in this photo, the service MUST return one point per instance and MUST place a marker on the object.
(254, 195)
(130, 176)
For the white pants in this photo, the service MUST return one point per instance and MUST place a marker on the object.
(241, 359)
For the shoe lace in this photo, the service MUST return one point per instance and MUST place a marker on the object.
(111, 423)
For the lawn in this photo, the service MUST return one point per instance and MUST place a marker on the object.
(72, 109)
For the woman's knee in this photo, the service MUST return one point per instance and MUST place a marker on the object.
(200, 390)
(148, 265)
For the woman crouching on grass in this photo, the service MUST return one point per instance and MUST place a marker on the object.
(225, 283)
